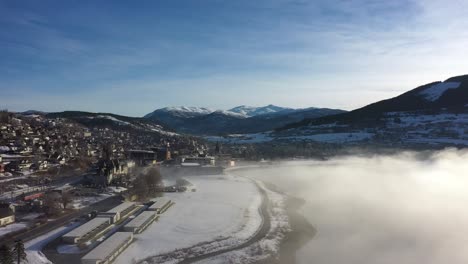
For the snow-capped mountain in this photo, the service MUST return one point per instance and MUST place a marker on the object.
(182, 111)
(249, 111)
(241, 119)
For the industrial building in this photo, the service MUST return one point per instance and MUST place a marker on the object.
(119, 212)
(88, 231)
(108, 250)
(141, 222)
(160, 205)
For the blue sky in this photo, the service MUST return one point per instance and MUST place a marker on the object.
(131, 57)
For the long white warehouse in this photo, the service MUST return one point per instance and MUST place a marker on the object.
(141, 222)
(160, 205)
(119, 212)
(108, 250)
(87, 231)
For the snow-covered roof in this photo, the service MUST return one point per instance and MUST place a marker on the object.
(87, 227)
(121, 207)
(159, 202)
(141, 219)
(190, 164)
(109, 245)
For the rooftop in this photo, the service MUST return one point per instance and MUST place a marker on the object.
(86, 227)
(121, 207)
(141, 219)
(108, 246)
(160, 202)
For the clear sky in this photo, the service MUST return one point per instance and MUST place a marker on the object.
(131, 57)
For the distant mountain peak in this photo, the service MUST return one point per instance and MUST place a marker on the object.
(250, 111)
(188, 109)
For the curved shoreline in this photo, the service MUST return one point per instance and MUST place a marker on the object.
(302, 231)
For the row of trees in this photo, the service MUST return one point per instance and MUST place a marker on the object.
(147, 184)
(13, 255)
(55, 202)
(5, 117)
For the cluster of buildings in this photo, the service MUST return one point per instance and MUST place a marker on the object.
(36, 142)
(39, 153)
(116, 221)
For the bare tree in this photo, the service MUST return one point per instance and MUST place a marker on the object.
(52, 203)
(5, 117)
(66, 199)
(153, 179)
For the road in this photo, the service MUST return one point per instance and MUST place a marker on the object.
(13, 195)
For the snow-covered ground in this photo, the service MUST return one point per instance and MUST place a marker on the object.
(84, 201)
(268, 136)
(335, 137)
(441, 128)
(34, 247)
(269, 245)
(12, 228)
(242, 138)
(437, 90)
(223, 212)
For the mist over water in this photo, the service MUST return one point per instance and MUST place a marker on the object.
(381, 210)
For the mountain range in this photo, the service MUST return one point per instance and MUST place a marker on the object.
(432, 114)
(435, 113)
(241, 119)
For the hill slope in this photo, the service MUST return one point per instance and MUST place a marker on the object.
(451, 94)
(112, 121)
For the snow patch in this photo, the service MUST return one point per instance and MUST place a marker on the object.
(437, 90)
(118, 121)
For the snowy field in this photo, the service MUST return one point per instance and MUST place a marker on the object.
(81, 202)
(222, 213)
(313, 136)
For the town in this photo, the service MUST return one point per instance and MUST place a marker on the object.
(104, 179)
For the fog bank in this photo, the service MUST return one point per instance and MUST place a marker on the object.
(381, 210)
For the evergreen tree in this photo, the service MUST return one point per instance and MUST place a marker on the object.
(19, 252)
(6, 256)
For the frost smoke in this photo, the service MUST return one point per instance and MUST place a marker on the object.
(402, 209)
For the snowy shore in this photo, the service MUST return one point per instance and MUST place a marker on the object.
(223, 213)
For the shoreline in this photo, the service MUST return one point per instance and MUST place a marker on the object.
(264, 209)
(301, 231)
